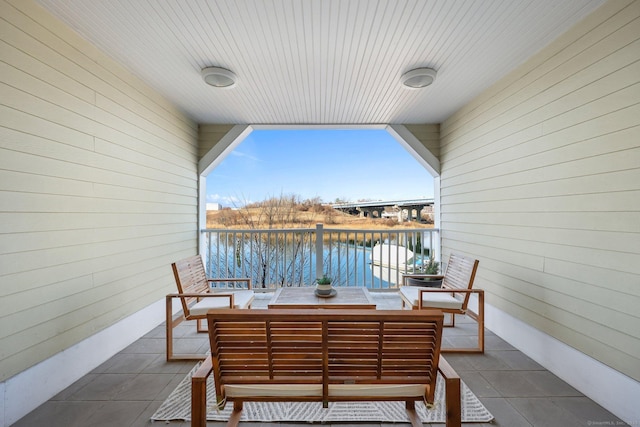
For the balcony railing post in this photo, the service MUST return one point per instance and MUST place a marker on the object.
(319, 251)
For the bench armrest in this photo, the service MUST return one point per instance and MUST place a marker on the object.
(452, 393)
(199, 392)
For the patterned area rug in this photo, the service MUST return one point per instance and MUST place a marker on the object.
(178, 407)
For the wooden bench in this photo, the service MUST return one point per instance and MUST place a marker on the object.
(312, 355)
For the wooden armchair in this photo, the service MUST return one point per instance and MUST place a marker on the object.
(197, 297)
(452, 297)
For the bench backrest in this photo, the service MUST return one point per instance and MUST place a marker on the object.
(312, 346)
(460, 274)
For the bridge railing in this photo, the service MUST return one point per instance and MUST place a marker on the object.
(374, 258)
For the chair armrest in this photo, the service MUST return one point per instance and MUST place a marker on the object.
(451, 291)
(480, 293)
(205, 295)
(247, 280)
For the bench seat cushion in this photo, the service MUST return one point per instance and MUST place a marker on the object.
(241, 299)
(431, 299)
(335, 390)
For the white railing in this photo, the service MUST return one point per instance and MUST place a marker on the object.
(273, 258)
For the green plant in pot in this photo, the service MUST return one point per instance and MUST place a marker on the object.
(430, 268)
(323, 286)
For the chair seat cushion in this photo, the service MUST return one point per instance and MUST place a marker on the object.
(241, 299)
(431, 299)
(342, 390)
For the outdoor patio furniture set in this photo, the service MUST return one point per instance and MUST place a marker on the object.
(331, 357)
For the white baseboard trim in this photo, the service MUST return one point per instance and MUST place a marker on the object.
(46, 379)
(614, 391)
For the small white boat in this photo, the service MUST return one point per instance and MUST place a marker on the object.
(389, 262)
(392, 256)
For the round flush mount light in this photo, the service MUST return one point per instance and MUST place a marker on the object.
(218, 77)
(418, 78)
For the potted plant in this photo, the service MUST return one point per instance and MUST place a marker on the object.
(323, 286)
(431, 268)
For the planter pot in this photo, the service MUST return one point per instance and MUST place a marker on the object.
(424, 282)
(324, 289)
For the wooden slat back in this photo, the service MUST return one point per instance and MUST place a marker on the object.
(382, 351)
(190, 279)
(310, 346)
(460, 274)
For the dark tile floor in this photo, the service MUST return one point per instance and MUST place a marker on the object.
(128, 388)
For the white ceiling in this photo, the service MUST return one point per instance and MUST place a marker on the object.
(320, 61)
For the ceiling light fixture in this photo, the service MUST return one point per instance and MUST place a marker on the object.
(418, 78)
(219, 77)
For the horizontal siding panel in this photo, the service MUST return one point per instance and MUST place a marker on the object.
(600, 80)
(44, 221)
(27, 202)
(596, 276)
(93, 168)
(554, 300)
(44, 89)
(46, 276)
(44, 109)
(618, 201)
(137, 156)
(628, 262)
(563, 58)
(20, 80)
(564, 319)
(532, 235)
(610, 132)
(142, 125)
(78, 58)
(29, 183)
(611, 91)
(545, 182)
(596, 221)
(619, 360)
(21, 242)
(67, 252)
(54, 318)
(157, 195)
(20, 130)
(38, 69)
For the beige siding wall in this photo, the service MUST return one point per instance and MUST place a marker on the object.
(428, 135)
(209, 136)
(98, 189)
(541, 181)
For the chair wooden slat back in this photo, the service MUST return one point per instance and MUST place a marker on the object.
(451, 297)
(190, 279)
(460, 274)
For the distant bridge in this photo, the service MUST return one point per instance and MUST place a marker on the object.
(375, 209)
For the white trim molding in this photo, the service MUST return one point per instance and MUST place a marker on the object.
(604, 385)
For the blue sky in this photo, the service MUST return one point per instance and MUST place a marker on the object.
(330, 164)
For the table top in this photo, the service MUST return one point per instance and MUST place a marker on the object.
(305, 297)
